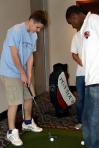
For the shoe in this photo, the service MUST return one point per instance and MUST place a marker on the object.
(14, 138)
(78, 126)
(31, 127)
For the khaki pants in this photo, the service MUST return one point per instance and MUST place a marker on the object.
(15, 91)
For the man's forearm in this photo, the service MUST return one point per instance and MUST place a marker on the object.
(16, 59)
(77, 59)
(29, 66)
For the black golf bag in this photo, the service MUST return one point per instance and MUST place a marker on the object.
(60, 95)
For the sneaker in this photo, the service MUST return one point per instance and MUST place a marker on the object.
(78, 126)
(14, 138)
(31, 127)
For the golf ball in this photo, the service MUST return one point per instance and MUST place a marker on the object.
(51, 139)
(82, 143)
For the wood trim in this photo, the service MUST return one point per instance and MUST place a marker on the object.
(92, 6)
(87, 2)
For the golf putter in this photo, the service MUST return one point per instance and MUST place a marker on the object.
(49, 133)
(36, 104)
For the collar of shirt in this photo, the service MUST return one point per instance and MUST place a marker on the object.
(85, 22)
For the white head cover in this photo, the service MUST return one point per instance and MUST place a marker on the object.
(68, 97)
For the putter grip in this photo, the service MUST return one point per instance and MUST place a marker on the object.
(30, 91)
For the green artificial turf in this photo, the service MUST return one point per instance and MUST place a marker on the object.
(63, 139)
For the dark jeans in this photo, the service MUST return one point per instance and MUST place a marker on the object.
(80, 86)
(90, 118)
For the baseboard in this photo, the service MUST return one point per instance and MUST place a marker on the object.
(3, 115)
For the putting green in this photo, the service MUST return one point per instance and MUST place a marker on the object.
(63, 139)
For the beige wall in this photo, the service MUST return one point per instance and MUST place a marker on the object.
(60, 35)
(11, 12)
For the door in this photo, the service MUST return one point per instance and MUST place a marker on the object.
(40, 57)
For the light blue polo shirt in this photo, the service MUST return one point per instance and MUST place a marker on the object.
(25, 42)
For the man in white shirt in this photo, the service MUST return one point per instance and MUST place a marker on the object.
(89, 32)
(80, 78)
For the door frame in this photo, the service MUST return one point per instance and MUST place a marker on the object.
(43, 5)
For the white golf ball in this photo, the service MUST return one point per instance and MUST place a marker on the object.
(82, 143)
(51, 139)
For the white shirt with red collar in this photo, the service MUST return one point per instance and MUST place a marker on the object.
(90, 48)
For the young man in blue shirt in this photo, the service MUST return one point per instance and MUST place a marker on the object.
(16, 71)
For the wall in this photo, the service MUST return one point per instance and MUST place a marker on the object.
(60, 35)
(11, 12)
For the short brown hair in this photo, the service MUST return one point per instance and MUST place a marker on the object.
(39, 16)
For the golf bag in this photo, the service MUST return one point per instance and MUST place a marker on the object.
(60, 95)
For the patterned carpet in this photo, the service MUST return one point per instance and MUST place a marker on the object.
(49, 116)
(3, 129)
(44, 116)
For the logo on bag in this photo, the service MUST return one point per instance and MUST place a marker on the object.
(86, 34)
